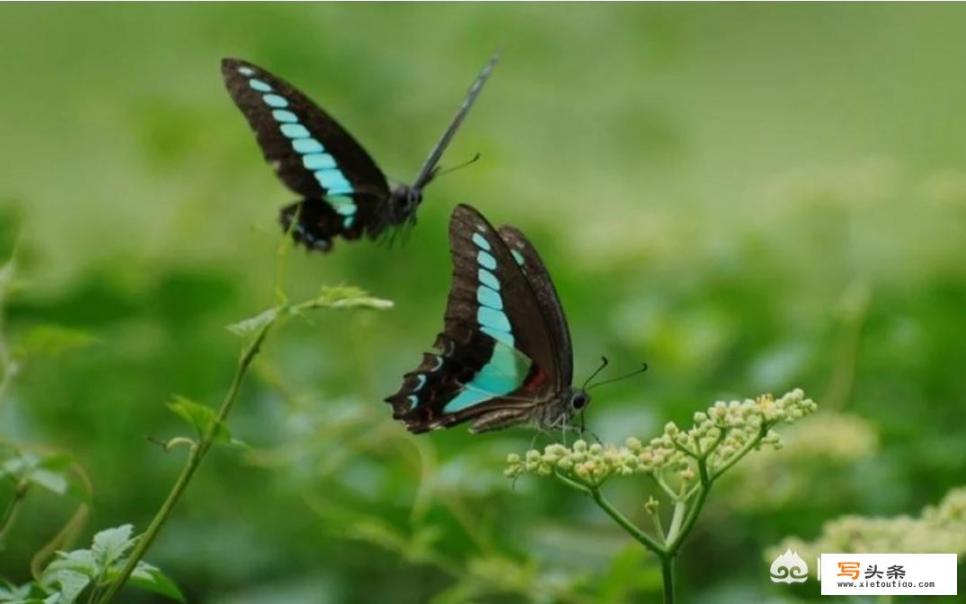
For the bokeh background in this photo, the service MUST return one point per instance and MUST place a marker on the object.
(751, 198)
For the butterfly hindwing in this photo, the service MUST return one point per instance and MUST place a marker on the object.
(495, 355)
(539, 278)
(317, 223)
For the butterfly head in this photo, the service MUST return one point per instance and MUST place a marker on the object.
(560, 413)
(403, 202)
(578, 401)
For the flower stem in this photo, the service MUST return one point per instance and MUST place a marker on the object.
(667, 578)
(10, 512)
(751, 444)
(680, 507)
(195, 457)
(632, 529)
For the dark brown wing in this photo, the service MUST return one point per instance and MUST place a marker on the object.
(539, 278)
(311, 153)
(496, 350)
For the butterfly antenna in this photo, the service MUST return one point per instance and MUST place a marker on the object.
(428, 171)
(619, 378)
(603, 363)
(439, 171)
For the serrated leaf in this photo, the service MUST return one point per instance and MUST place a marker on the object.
(80, 561)
(71, 584)
(111, 544)
(250, 326)
(51, 340)
(44, 472)
(150, 578)
(201, 417)
(12, 593)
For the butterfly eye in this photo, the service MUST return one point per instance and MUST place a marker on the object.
(405, 202)
(579, 401)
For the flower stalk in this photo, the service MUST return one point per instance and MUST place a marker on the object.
(683, 463)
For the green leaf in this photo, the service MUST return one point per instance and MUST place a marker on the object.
(51, 340)
(202, 418)
(17, 595)
(150, 578)
(15, 467)
(71, 585)
(54, 482)
(47, 472)
(111, 544)
(250, 326)
(79, 561)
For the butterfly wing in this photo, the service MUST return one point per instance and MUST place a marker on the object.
(428, 169)
(312, 154)
(495, 357)
(539, 278)
(343, 189)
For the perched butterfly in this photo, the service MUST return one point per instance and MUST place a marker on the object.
(343, 190)
(504, 356)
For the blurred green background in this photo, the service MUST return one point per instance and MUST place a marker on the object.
(751, 198)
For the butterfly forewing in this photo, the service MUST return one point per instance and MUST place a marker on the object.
(496, 351)
(311, 153)
(428, 169)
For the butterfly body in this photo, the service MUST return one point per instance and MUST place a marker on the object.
(342, 190)
(317, 221)
(551, 415)
(504, 356)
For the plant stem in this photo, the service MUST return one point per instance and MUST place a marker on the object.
(632, 529)
(667, 578)
(195, 457)
(10, 512)
(594, 491)
(751, 444)
(680, 507)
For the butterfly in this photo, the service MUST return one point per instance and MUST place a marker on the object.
(344, 193)
(504, 356)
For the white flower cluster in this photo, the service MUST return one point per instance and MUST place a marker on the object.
(939, 529)
(719, 435)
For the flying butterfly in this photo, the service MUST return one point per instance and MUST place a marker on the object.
(344, 193)
(504, 356)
